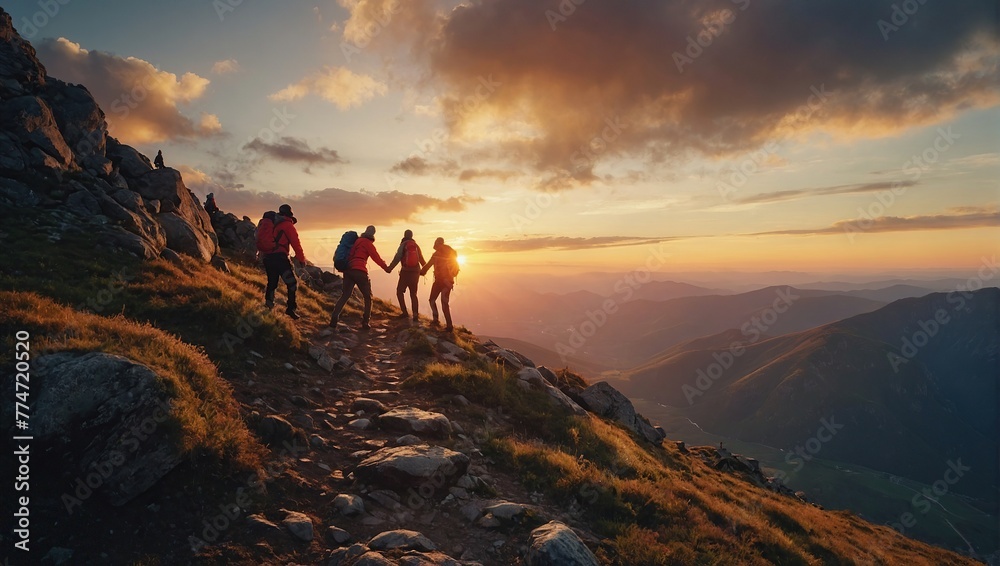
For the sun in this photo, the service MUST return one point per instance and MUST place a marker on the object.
(461, 260)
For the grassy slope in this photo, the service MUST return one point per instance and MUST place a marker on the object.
(653, 506)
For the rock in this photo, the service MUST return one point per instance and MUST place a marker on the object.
(555, 544)
(409, 466)
(81, 122)
(374, 559)
(30, 120)
(417, 421)
(57, 555)
(460, 400)
(219, 263)
(534, 377)
(299, 524)
(83, 204)
(187, 226)
(349, 505)
(369, 406)
(132, 164)
(385, 498)
(326, 362)
(471, 511)
(260, 527)
(273, 429)
(401, 539)
(506, 511)
(360, 424)
(171, 256)
(453, 349)
(604, 400)
(129, 199)
(338, 535)
(489, 522)
(429, 559)
(408, 440)
(106, 398)
(344, 555)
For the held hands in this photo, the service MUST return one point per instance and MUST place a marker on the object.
(387, 270)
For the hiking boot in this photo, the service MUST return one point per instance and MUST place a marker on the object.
(366, 326)
(269, 304)
(404, 314)
(449, 329)
(435, 323)
(416, 318)
(291, 314)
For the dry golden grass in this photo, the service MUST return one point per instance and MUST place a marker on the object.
(205, 417)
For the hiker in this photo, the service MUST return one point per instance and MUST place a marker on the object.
(275, 234)
(411, 259)
(210, 206)
(356, 274)
(445, 264)
(158, 160)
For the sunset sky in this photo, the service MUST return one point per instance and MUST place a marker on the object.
(573, 136)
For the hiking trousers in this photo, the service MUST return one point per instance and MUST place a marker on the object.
(354, 278)
(408, 280)
(278, 267)
(442, 288)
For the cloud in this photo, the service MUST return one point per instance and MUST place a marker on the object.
(337, 85)
(226, 67)
(295, 150)
(771, 70)
(959, 218)
(329, 208)
(141, 101)
(796, 194)
(562, 243)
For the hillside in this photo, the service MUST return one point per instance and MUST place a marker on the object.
(176, 420)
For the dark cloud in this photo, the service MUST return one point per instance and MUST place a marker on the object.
(326, 208)
(955, 219)
(295, 150)
(628, 78)
(142, 103)
(796, 194)
(562, 243)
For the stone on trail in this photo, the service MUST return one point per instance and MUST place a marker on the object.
(402, 467)
(417, 421)
(401, 539)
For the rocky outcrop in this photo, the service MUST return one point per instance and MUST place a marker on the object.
(555, 544)
(534, 377)
(49, 129)
(604, 400)
(235, 235)
(119, 407)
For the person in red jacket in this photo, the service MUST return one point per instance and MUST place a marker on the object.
(357, 275)
(410, 259)
(277, 264)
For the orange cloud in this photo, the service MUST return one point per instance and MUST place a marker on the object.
(338, 85)
(142, 102)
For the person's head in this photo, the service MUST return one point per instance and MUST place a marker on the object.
(159, 152)
(438, 243)
(408, 235)
(369, 232)
(285, 210)
(211, 195)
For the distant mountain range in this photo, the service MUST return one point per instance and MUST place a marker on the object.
(913, 386)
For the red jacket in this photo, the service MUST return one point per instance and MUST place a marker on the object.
(363, 249)
(286, 235)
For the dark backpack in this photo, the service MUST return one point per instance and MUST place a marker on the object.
(411, 255)
(451, 264)
(266, 242)
(343, 252)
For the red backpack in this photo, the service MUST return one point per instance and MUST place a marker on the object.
(411, 255)
(266, 242)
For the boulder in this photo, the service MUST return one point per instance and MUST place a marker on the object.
(186, 224)
(401, 539)
(299, 524)
(604, 400)
(105, 399)
(416, 421)
(534, 377)
(32, 123)
(349, 505)
(19, 67)
(555, 544)
(131, 163)
(273, 429)
(374, 559)
(402, 467)
(369, 406)
(81, 122)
